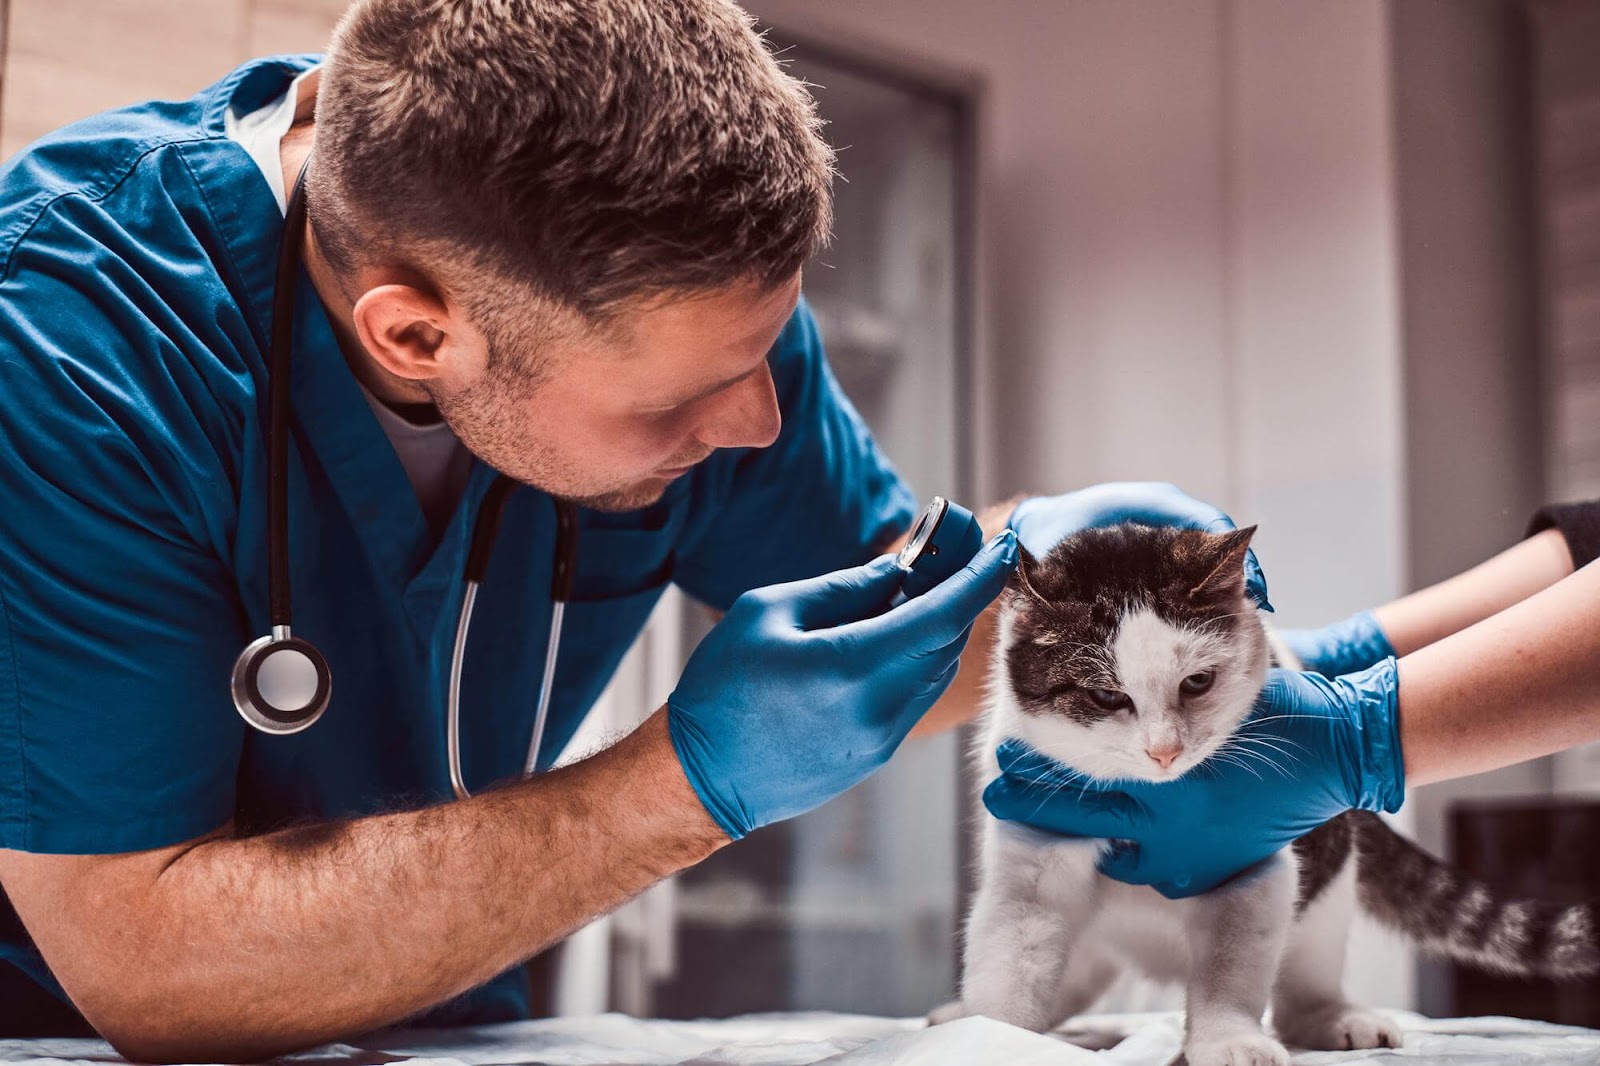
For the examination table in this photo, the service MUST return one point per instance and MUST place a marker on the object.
(784, 1039)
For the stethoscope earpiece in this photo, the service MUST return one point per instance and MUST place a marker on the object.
(281, 684)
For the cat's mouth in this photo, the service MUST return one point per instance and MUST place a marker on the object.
(1153, 769)
(1171, 764)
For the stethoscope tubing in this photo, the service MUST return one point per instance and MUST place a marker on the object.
(552, 652)
(254, 706)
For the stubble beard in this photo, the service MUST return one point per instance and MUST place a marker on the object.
(485, 417)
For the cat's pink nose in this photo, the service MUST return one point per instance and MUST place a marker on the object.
(1166, 756)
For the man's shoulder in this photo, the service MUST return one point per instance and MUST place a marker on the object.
(108, 169)
(123, 301)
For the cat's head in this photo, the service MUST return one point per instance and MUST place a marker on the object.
(1130, 651)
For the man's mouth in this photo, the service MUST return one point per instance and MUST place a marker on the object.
(679, 471)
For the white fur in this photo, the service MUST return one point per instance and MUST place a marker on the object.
(1048, 933)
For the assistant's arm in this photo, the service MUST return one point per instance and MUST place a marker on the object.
(1519, 684)
(1431, 614)
(225, 949)
(1567, 537)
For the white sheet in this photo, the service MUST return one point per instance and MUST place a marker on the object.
(855, 1040)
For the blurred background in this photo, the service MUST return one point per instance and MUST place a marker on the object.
(1334, 266)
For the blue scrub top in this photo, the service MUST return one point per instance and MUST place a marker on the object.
(136, 264)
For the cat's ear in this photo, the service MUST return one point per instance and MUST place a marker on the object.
(1020, 583)
(1225, 552)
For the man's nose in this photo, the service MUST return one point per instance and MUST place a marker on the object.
(1166, 752)
(745, 414)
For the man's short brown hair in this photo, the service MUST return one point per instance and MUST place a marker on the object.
(593, 151)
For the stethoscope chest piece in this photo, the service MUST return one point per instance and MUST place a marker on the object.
(281, 684)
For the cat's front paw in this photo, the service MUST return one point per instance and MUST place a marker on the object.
(950, 1012)
(1018, 1010)
(1339, 1027)
(1245, 1049)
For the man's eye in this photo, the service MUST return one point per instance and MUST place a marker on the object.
(1195, 684)
(1110, 699)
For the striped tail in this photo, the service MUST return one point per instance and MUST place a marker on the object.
(1449, 914)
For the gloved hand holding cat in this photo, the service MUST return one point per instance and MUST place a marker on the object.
(1312, 749)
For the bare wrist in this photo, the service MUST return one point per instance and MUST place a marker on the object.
(664, 787)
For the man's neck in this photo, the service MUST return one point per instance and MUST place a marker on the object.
(393, 391)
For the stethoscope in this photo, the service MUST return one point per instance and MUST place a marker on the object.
(281, 683)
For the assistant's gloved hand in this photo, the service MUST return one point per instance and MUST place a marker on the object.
(1312, 749)
(1042, 522)
(804, 689)
(1341, 648)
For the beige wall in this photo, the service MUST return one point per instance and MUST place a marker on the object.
(70, 58)
(1188, 261)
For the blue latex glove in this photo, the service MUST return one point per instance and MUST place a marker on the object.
(804, 689)
(1341, 648)
(1042, 522)
(1333, 745)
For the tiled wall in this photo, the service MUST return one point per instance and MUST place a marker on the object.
(69, 58)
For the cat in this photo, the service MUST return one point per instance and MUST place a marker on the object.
(1133, 652)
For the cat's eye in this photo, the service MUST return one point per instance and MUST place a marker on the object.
(1195, 684)
(1110, 699)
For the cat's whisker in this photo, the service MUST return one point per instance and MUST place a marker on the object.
(1216, 618)
(1249, 738)
(1070, 779)
(1276, 717)
(1246, 735)
(1271, 746)
(1231, 760)
(1260, 756)
(1246, 753)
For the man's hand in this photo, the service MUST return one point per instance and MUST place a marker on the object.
(806, 688)
(1312, 749)
(1042, 522)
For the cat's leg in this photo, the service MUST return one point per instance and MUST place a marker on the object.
(1308, 1005)
(1236, 937)
(1036, 894)
(1088, 974)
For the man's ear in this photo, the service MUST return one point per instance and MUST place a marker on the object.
(404, 328)
(1225, 552)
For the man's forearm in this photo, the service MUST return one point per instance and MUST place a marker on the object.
(1433, 613)
(1518, 685)
(237, 949)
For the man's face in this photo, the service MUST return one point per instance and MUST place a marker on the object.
(611, 420)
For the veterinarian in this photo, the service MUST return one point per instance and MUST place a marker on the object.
(548, 283)
(1492, 667)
